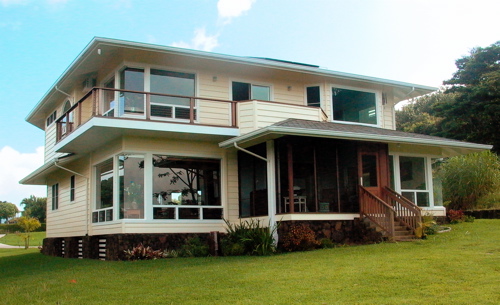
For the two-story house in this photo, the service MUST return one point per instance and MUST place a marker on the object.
(152, 142)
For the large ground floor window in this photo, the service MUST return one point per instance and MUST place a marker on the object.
(413, 177)
(154, 186)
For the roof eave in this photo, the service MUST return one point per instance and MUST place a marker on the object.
(350, 136)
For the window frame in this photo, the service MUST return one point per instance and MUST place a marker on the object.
(72, 187)
(321, 94)
(378, 104)
(55, 196)
(251, 84)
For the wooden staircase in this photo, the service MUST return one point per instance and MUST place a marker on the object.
(396, 217)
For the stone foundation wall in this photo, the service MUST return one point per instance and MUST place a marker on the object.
(338, 231)
(484, 214)
(112, 247)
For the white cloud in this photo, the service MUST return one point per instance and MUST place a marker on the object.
(200, 41)
(14, 166)
(229, 9)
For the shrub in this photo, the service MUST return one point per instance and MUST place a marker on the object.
(140, 252)
(326, 243)
(456, 216)
(469, 218)
(489, 201)
(300, 237)
(248, 238)
(469, 177)
(194, 248)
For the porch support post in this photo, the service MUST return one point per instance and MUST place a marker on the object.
(291, 202)
(271, 186)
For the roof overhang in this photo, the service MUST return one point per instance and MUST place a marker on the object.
(39, 176)
(441, 146)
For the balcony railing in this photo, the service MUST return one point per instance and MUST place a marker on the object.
(135, 105)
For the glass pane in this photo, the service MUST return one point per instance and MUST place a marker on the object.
(437, 183)
(185, 181)
(261, 93)
(189, 213)
(109, 98)
(132, 79)
(174, 83)
(369, 170)
(409, 195)
(214, 213)
(422, 199)
(412, 171)
(313, 96)
(354, 106)
(241, 91)
(104, 187)
(391, 172)
(163, 213)
(131, 171)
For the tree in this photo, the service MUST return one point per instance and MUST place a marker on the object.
(28, 224)
(468, 178)
(474, 112)
(35, 207)
(419, 116)
(7, 210)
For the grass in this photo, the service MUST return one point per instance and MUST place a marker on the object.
(459, 267)
(17, 240)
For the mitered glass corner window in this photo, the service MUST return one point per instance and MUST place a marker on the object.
(354, 106)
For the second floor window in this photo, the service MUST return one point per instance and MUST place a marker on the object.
(354, 106)
(246, 91)
(313, 96)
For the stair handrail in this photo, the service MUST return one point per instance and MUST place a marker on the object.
(408, 212)
(377, 211)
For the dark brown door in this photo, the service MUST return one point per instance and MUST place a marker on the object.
(373, 167)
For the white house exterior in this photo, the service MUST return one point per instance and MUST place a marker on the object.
(149, 139)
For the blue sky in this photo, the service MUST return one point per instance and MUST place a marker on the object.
(412, 41)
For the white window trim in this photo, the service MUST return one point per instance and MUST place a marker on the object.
(148, 184)
(321, 94)
(251, 82)
(378, 104)
(428, 176)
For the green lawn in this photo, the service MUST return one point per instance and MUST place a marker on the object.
(16, 239)
(459, 267)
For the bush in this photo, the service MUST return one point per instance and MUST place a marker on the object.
(13, 228)
(140, 252)
(300, 238)
(489, 201)
(248, 238)
(194, 248)
(468, 178)
(456, 216)
(326, 243)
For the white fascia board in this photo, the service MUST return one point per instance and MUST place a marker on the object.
(351, 136)
(148, 126)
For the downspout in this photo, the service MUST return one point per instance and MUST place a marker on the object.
(270, 183)
(86, 187)
(71, 97)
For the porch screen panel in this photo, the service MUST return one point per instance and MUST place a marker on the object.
(253, 182)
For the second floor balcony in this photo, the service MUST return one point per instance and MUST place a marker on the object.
(146, 113)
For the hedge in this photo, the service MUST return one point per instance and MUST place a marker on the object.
(12, 228)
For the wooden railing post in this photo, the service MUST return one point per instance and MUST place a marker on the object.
(191, 110)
